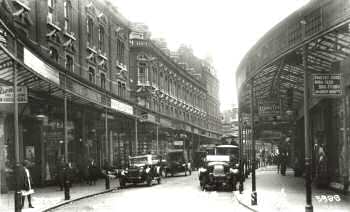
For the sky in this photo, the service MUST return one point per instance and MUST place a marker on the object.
(222, 29)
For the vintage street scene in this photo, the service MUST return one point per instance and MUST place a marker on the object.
(187, 105)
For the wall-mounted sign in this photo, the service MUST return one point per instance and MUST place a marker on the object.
(120, 106)
(87, 93)
(40, 67)
(269, 107)
(7, 94)
(327, 85)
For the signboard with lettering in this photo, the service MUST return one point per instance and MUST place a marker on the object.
(120, 106)
(40, 67)
(7, 94)
(327, 85)
(269, 107)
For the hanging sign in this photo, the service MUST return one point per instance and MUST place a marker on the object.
(269, 107)
(327, 85)
(7, 94)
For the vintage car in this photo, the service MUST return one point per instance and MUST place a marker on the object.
(143, 168)
(176, 162)
(218, 172)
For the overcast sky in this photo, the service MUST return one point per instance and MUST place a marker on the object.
(223, 29)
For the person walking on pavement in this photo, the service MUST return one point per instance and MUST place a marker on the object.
(93, 173)
(278, 162)
(24, 183)
(60, 172)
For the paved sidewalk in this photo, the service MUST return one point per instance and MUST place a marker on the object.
(287, 193)
(45, 198)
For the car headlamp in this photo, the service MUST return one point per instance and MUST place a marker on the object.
(148, 170)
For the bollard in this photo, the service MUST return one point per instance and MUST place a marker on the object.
(18, 201)
(66, 190)
(107, 182)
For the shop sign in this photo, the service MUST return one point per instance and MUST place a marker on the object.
(40, 67)
(327, 85)
(86, 92)
(178, 143)
(7, 94)
(120, 106)
(269, 107)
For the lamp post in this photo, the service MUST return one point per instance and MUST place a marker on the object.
(254, 194)
(308, 207)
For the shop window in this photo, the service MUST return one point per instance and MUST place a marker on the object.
(101, 38)
(69, 63)
(91, 75)
(53, 54)
(103, 80)
(90, 31)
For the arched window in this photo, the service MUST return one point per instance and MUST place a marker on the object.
(91, 75)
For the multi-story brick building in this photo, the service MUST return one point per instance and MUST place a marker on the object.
(72, 57)
(177, 91)
(83, 89)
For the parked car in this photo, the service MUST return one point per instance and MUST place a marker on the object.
(175, 162)
(141, 169)
(218, 172)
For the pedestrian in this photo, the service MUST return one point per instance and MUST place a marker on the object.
(68, 174)
(24, 183)
(283, 163)
(60, 172)
(278, 162)
(93, 173)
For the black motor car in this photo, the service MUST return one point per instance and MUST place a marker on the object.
(143, 168)
(176, 162)
(218, 172)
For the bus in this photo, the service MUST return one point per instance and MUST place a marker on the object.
(228, 149)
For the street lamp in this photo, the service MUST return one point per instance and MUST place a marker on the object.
(308, 165)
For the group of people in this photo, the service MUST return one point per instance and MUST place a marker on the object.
(66, 173)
